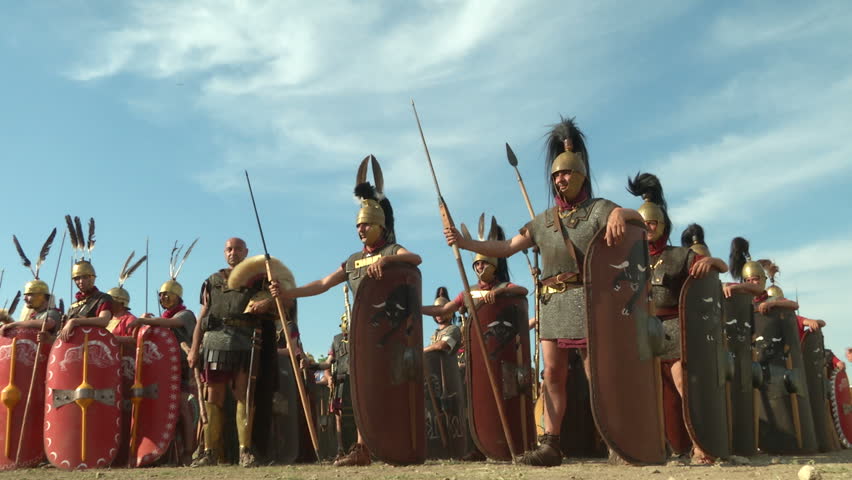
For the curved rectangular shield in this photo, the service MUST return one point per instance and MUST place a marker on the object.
(625, 384)
(505, 331)
(386, 365)
(446, 419)
(813, 356)
(738, 318)
(706, 381)
(840, 398)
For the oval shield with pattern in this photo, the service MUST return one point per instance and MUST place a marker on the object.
(155, 395)
(82, 400)
(505, 333)
(625, 370)
(707, 370)
(17, 363)
(386, 365)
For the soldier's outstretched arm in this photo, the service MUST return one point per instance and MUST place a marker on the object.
(310, 289)
(445, 309)
(491, 248)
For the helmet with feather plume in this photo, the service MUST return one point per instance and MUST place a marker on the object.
(81, 246)
(119, 294)
(566, 150)
(654, 208)
(375, 208)
(498, 267)
(693, 238)
(171, 286)
(742, 266)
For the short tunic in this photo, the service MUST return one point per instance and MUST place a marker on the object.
(563, 315)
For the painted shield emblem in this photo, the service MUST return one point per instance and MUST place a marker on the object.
(446, 422)
(82, 400)
(708, 369)
(738, 318)
(155, 394)
(841, 406)
(621, 331)
(506, 337)
(386, 365)
(17, 363)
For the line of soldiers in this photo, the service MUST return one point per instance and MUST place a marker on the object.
(646, 354)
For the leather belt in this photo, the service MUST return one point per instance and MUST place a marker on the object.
(241, 322)
(560, 283)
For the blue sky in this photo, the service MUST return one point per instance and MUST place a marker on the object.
(143, 115)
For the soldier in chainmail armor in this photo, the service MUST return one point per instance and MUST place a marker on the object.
(562, 234)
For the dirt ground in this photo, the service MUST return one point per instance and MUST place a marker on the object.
(835, 465)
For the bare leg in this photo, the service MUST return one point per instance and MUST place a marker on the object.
(698, 455)
(555, 378)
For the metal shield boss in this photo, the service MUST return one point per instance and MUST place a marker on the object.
(386, 365)
(506, 337)
(707, 367)
(738, 318)
(782, 428)
(446, 419)
(625, 371)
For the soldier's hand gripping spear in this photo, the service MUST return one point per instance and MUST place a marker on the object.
(534, 270)
(282, 315)
(447, 221)
(38, 356)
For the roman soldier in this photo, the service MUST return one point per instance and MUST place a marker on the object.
(37, 297)
(231, 325)
(578, 216)
(447, 337)
(91, 307)
(182, 323)
(375, 226)
(121, 316)
(670, 268)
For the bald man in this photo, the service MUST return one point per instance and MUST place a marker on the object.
(224, 339)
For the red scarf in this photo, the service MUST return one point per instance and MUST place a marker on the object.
(174, 311)
(83, 295)
(565, 205)
(762, 297)
(659, 246)
(375, 248)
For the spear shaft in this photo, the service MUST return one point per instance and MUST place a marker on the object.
(37, 356)
(447, 220)
(282, 315)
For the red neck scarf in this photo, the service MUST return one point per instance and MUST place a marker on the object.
(565, 205)
(174, 311)
(84, 295)
(659, 246)
(375, 248)
(485, 286)
(762, 297)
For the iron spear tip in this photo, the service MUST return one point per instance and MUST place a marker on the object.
(513, 160)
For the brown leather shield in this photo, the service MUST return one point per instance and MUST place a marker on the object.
(783, 428)
(386, 365)
(813, 356)
(505, 332)
(284, 424)
(738, 318)
(707, 368)
(625, 383)
(446, 419)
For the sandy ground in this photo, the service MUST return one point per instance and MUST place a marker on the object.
(835, 465)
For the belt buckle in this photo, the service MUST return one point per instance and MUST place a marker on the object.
(559, 287)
